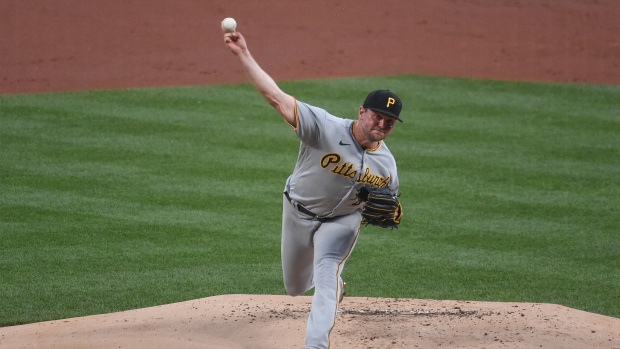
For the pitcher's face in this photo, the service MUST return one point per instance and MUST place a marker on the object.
(375, 126)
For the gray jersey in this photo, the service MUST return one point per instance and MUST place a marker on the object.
(332, 166)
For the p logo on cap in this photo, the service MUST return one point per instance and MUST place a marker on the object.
(385, 102)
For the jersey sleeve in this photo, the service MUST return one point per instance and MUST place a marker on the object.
(394, 182)
(310, 123)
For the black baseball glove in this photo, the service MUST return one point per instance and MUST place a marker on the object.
(381, 207)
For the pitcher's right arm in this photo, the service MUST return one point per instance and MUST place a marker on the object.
(262, 82)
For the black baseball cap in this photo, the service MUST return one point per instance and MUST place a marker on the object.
(385, 102)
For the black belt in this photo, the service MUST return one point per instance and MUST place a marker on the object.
(304, 210)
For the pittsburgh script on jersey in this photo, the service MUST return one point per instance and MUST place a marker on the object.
(332, 163)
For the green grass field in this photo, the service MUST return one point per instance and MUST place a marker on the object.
(117, 200)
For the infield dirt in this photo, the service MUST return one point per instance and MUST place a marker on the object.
(268, 322)
(89, 45)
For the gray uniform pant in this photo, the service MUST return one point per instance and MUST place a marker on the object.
(313, 255)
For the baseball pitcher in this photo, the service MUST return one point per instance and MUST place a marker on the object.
(345, 176)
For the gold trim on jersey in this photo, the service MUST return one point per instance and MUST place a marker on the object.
(296, 117)
(375, 148)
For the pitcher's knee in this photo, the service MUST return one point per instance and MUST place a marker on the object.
(294, 290)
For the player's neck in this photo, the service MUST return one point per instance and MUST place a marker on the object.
(358, 134)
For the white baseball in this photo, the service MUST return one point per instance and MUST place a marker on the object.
(229, 25)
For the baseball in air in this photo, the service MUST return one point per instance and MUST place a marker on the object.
(229, 25)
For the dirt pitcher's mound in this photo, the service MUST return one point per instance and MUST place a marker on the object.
(260, 321)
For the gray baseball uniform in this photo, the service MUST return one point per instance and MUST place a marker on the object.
(321, 214)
